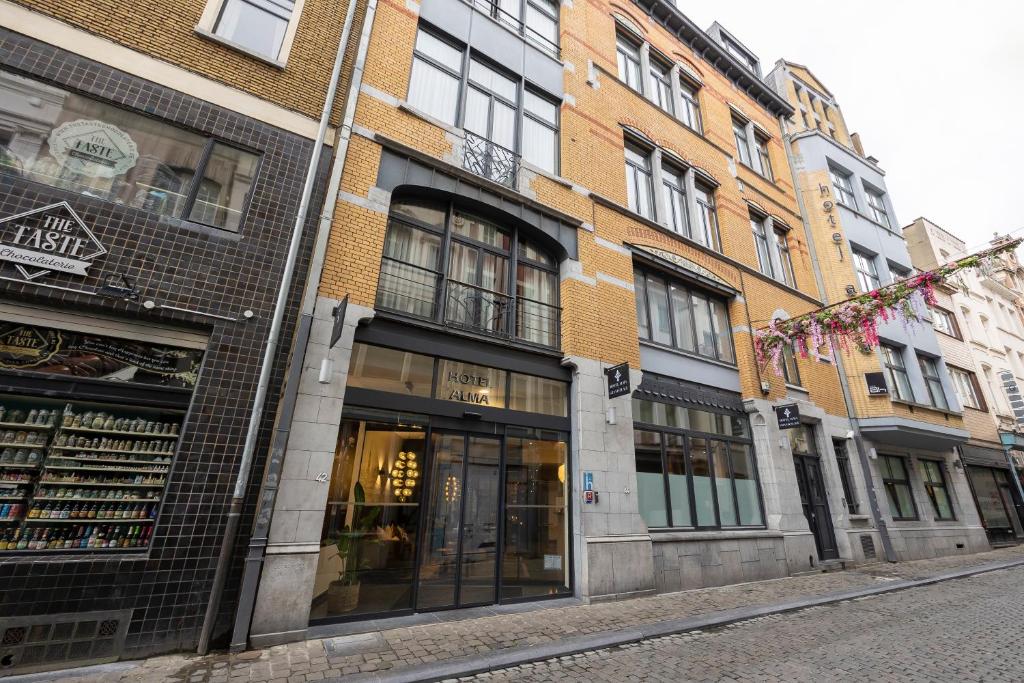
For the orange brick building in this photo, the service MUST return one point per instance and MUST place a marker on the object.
(531, 371)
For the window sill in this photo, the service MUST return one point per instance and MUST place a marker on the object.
(208, 35)
(858, 517)
(925, 406)
(868, 218)
(797, 388)
(690, 535)
(687, 354)
(770, 181)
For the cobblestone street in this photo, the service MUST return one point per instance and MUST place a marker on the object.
(961, 630)
(397, 649)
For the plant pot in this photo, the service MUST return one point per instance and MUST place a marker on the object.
(342, 597)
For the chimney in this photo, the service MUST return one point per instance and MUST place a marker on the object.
(857, 146)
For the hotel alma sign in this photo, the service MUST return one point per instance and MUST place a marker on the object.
(50, 239)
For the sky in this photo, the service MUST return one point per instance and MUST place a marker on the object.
(935, 89)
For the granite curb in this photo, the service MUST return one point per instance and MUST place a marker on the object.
(491, 661)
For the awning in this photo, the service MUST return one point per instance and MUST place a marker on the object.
(668, 390)
(984, 457)
(899, 431)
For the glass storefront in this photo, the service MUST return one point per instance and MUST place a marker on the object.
(424, 515)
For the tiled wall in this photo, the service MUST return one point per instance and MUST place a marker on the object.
(176, 263)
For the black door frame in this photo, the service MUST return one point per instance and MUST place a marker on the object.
(801, 461)
(429, 485)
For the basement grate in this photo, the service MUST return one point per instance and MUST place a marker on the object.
(55, 641)
(867, 544)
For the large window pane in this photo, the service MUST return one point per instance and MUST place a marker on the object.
(723, 483)
(227, 179)
(481, 231)
(661, 323)
(492, 81)
(383, 369)
(540, 145)
(540, 24)
(703, 495)
(679, 492)
(434, 91)
(744, 476)
(538, 395)
(536, 556)
(258, 25)
(682, 310)
(723, 331)
(639, 283)
(370, 527)
(537, 310)
(408, 277)
(706, 337)
(438, 50)
(650, 480)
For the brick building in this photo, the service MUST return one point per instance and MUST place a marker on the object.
(153, 159)
(544, 205)
(981, 328)
(904, 487)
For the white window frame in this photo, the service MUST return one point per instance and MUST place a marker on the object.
(878, 212)
(965, 387)
(208, 22)
(867, 271)
(842, 187)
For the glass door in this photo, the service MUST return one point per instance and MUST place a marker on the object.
(458, 562)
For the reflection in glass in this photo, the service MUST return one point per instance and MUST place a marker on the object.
(227, 177)
(679, 494)
(723, 484)
(746, 483)
(439, 562)
(366, 556)
(650, 484)
(257, 26)
(383, 369)
(468, 383)
(535, 555)
(480, 526)
(538, 395)
(408, 271)
(703, 495)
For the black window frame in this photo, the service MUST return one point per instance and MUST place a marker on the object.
(891, 353)
(842, 187)
(516, 257)
(645, 276)
(892, 483)
(687, 436)
(846, 475)
(930, 485)
(520, 23)
(931, 374)
(879, 209)
(470, 55)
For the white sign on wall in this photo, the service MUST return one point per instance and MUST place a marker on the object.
(48, 239)
(93, 148)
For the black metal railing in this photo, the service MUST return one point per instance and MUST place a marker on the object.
(475, 308)
(493, 10)
(490, 160)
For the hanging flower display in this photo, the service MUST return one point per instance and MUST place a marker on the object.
(854, 323)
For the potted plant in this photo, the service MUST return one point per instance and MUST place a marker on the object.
(343, 593)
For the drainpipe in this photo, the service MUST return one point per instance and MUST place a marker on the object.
(272, 476)
(273, 338)
(858, 439)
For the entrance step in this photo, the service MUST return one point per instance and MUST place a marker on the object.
(826, 566)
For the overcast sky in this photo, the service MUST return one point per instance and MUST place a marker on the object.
(935, 88)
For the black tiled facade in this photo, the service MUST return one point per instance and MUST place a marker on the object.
(187, 265)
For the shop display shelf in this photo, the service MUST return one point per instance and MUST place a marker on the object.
(121, 432)
(107, 461)
(21, 482)
(9, 520)
(22, 445)
(13, 497)
(107, 450)
(100, 484)
(18, 466)
(79, 468)
(79, 499)
(22, 425)
(94, 520)
(27, 551)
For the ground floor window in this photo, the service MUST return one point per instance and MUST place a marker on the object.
(421, 517)
(694, 468)
(994, 497)
(897, 487)
(935, 485)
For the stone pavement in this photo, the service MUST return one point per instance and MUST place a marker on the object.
(960, 631)
(398, 648)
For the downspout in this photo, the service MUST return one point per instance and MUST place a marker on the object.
(273, 338)
(858, 439)
(272, 476)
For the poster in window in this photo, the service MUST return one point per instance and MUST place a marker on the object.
(93, 148)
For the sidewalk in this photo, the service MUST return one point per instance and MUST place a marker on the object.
(500, 637)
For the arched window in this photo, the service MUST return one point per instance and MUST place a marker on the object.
(451, 266)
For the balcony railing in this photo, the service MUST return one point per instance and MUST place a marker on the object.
(516, 24)
(490, 160)
(413, 291)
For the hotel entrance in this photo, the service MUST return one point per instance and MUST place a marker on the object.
(437, 505)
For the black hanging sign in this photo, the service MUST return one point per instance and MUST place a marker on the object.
(788, 416)
(876, 383)
(618, 380)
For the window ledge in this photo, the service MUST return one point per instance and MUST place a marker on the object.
(925, 406)
(770, 181)
(868, 218)
(695, 536)
(688, 354)
(208, 35)
(859, 518)
(797, 388)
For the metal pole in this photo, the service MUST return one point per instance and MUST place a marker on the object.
(858, 439)
(238, 496)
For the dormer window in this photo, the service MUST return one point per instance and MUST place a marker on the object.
(744, 57)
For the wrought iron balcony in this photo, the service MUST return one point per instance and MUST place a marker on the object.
(490, 160)
(493, 9)
(413, 291)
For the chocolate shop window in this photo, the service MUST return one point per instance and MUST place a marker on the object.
(78, 144)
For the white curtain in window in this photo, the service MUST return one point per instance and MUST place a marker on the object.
(433, 91)
(539, 144)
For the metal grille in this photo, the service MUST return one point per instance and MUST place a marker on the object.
(56, 641)
(867, 544)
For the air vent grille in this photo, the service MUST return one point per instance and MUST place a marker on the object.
(867, 544)
(56, 641)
